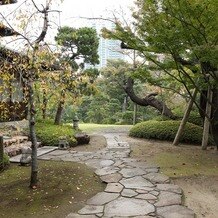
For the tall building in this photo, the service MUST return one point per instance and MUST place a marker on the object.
(107, 49)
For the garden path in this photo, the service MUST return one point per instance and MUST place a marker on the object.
(134, 188)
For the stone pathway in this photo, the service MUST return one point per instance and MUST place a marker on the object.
(134, 189)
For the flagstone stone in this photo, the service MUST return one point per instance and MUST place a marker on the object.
(94, 163)
(175, 211)
(91, 209)
(168, 198)
(157, 177)
(125, 207)
(74, 215)
(114, 187)
(106, 163)
(137, 182)
(128, 193)
(115, 177)
(146, 197)
(102, 198)
(132, 172)
(169, 188)
(106, 171)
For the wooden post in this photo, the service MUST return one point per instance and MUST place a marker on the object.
(135, 114)
(1, 152)
(185, 119)
(207, 119)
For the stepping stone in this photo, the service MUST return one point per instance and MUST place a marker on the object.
(137, 182)
(142, 191)
(114, 188)
(157, 178)
(175, 211)
(128, 193)
(106, 171)
(91, 209)
(169, 188)
(124, 207)
(74, 215)
(132, 172)
(94, 163)
(106, 163)
(143, 165)
(168, 198)
(155, 193)
(115, 177)
(146, 197)
(102, 198)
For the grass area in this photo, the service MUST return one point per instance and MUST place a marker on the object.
(64, 187)
(177, 161)
(92, 127)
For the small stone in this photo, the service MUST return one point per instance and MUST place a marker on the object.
(102, 198)
(118, 163)
(128, 193)
(155, 193)
(142, 191)
(114, 187)
(146, 197)
(115, 177)
(173, 211)
(168, 198)
(74, 215)
(157, 178)
(91, 209)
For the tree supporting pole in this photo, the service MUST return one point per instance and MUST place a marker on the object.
(1, 152)
(206, 129)
(184, 119)
(135, 114)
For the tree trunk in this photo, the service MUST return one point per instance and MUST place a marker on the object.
(60, 109)
(44, 106)
(135, 114)
(1, 153)
(34, 164)
(149, 100)
(207, 119)
(185, 119)
(125, 104)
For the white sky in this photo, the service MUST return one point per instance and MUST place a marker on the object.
(71, 10)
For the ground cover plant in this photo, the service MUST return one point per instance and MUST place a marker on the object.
(166, 130)
(62, 191)
(49, 134)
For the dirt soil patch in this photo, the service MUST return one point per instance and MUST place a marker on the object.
(194, 170)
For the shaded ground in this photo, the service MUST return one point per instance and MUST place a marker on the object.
(64, 187)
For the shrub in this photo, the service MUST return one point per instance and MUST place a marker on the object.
(5, 162)
(49, 134)
(166, 130)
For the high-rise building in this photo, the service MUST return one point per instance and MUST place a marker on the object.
(107, 49)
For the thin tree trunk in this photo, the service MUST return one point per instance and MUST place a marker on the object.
(185, 119)
(60, 109)
(125, 102)
(44, 106)
(135, 114)
(1, 153)
(207, 119)
(34, 164)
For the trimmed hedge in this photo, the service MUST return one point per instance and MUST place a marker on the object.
(50, 134)
(166, 130)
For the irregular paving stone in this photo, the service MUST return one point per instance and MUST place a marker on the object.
(143, 165)
(115, 177)
(114, 187)
(157, 177)
(118, 163)
(175, 211)
(74, 215)
(136, 182)
(102, 198)
(155, 193)
(106, 171)
(132, 172)
(169, 188)
(125, 207)
(128, 193)
(106, 163)
(152, 170)
(168, 198)
(91, 209)
(146, 197)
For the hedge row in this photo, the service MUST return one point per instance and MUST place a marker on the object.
(166, 130)
(49, 134)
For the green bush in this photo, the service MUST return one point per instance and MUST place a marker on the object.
(49, 134)
(166, 130)
(5, 162)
